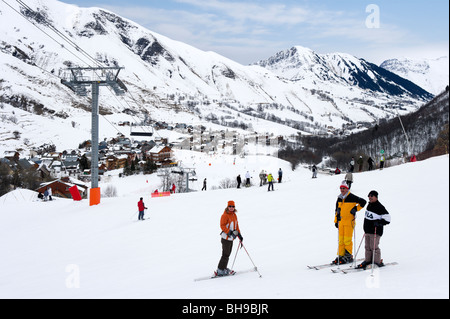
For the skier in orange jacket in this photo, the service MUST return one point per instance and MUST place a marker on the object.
(230, 230)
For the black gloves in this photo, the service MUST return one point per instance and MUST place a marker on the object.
(353, 211)
(234, 234)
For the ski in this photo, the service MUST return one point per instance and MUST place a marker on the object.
(349, 270)
(318, 267)
(230, 275)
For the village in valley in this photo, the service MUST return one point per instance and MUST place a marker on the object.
(145, 150)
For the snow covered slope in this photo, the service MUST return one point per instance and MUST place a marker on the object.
(49, 249)
(430, 74)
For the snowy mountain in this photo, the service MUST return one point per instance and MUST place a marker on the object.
(302, 65)
(430, 74)
(65, 249)
(171, 81)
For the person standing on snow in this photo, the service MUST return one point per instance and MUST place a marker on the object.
(247, 179)
(141, 208)
(360, 162)
(49, 193)
(280, 175)
(262, 178)
(230, 230)
(376, 217)
(382, 159)
(352, 164)
(314, 170)
(349, 179)
(370, 161)
(204, 185)
(270, 180)
(347, 205)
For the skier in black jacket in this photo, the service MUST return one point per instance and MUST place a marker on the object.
(376, 217)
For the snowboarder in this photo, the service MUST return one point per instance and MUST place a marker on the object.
(239, 181)
(280, 175)
(349, 179)
(204, 185)
(141, 208)
(230, 230)
(347, 205)
(376, 217)
(270, 180)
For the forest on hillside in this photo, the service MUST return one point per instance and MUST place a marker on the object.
(427, 134)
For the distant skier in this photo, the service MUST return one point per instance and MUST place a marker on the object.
(204, 185)
(382, 159)
(347, 205)
(349, 179)
(247, 179)
(376, 217)
(239, 181)
(360, 162)
(280, 175)
(172, 190)
(141, 208)
(352, 164)
(270, 180)
(314, 170)
(370, 161)
(262, 178)
(230, 230)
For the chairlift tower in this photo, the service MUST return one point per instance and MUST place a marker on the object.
(78, 82)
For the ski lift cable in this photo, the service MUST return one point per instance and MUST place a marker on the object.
(59, 33)
(73, 44)
(40, 29)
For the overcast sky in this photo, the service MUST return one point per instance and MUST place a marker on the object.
(251, 30)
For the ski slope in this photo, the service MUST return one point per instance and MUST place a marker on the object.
(66, 249)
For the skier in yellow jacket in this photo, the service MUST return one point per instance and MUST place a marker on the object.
(347, 205)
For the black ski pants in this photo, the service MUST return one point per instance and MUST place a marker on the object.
(227, 247)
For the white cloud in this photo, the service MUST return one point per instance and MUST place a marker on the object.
(244, 31)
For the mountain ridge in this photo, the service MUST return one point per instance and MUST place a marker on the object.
(172, 81)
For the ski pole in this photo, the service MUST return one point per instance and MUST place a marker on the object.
(338, 262)
(236, 255)
(364, 235)
(256, 268)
